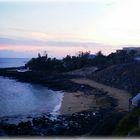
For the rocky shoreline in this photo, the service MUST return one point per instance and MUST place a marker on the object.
(53, 81)
(87, 123)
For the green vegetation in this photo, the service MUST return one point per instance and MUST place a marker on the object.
(68, 63)
(83, 59)
(129, 124)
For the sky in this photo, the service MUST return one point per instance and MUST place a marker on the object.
(66, 27)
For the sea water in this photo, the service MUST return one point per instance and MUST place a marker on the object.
(18, 98)
(13, 62)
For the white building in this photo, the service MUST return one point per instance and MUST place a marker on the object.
(136, 100)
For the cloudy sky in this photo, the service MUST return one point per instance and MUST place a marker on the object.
(66, 27)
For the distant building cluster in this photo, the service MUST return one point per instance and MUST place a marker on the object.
(129, 49)
(137, 49)
(137, 54)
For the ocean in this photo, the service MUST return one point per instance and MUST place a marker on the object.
(13, 62)
(18, 98)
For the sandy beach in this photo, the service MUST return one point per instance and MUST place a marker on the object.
(121, 96)
(77, 102)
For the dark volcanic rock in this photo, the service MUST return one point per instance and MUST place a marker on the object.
(54, 81)
(123, 76)
(78, 124)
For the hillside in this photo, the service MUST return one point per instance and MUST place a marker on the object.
(123, 76)
(129, 125)
(83, 72)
